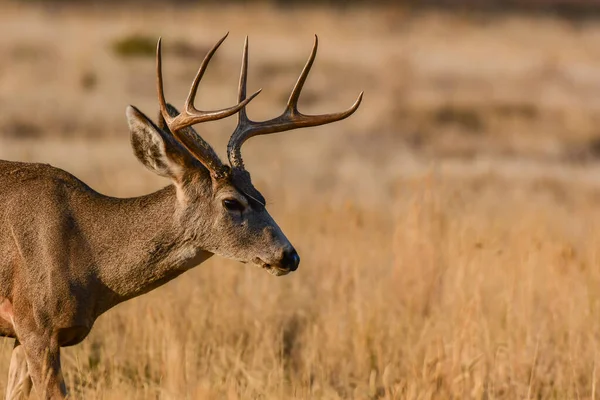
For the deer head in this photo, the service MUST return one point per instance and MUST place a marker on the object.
(219, 209)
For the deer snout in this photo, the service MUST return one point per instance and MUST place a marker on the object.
(290, 259)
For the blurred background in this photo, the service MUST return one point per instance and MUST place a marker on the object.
(448, 230)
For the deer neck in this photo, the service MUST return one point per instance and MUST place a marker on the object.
(148, 247)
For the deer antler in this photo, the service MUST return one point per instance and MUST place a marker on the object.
(197, 146)
(290, 119)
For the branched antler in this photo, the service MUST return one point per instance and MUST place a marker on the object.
(290, 119)
(197, 146)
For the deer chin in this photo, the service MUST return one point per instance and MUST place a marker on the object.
(272, 269)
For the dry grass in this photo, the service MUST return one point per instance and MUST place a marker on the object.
(449, 293)
(449, 242)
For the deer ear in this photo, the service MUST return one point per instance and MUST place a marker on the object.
(153, 147)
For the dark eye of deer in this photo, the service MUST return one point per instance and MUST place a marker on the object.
(233, 205)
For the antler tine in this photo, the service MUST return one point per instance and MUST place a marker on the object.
(295, 95)
(159, 83)
(189, 102)
(290, 119)
(243, 79)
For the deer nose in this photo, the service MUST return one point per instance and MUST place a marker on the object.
(290, 259)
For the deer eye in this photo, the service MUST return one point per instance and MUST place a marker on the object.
(233, 205)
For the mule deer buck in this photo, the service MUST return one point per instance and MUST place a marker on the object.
(69, 254)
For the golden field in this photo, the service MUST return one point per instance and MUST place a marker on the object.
(448, 230)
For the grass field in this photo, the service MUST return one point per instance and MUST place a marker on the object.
(449, 231)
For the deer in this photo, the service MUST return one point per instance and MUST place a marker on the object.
(68, 254)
